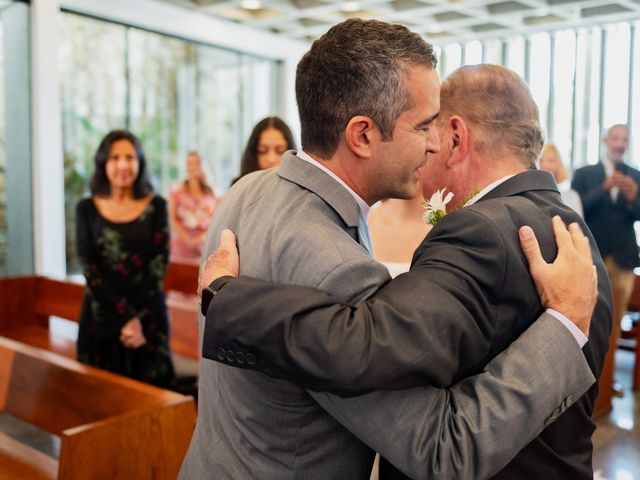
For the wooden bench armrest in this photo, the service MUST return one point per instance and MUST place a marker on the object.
(129, 445)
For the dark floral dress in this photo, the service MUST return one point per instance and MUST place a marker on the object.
(124, 264)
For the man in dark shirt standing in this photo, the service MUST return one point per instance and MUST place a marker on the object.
(609, 194)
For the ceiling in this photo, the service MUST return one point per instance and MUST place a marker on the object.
(440, 21)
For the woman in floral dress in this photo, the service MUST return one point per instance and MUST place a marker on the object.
(191, 205)
(123, 244)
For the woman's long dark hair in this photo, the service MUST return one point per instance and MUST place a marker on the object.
(100, 185)
(250, 156)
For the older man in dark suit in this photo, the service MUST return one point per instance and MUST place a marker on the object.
(468, 294)
(609, 194)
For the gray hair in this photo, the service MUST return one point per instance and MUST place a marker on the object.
(499, 102)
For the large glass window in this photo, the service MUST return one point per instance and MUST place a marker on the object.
(539, 68)
(452, 58)
(175, 95)
(3, 162)
(16, 234)
(515, 55)
(93, 102)
(634, 151)
(493, 52)
(583, 80)
(473, 52)
(594, 96)
(615, 62)
(562, 89)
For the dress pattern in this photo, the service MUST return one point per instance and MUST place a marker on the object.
(124, 265)
(193, 214)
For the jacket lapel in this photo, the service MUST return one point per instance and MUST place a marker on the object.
(310, 177)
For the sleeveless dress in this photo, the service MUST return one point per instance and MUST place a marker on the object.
(124, 265)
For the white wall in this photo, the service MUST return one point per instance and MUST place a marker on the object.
(48, 167)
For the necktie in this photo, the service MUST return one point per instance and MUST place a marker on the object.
(363, 234)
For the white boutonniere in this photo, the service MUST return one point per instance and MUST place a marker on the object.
(436, 206)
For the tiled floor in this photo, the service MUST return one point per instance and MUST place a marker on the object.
(616, 441)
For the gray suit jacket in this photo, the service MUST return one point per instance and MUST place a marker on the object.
(298, 225)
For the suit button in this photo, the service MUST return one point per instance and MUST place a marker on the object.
(230, 356)
(221, 353)
(240, 358)
(251, 359)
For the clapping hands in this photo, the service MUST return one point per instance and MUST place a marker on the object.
(627, 185)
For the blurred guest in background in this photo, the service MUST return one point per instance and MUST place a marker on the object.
(270, 138)
(123, 244)
(191, 205)
(551, 162)
(609, 193)
(397, 229)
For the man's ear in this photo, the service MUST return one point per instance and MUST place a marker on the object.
(360, 132)
(459, 140)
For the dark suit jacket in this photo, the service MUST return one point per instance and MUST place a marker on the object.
(610, 222)
(467, 297)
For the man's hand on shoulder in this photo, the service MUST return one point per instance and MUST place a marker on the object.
(224, 261)
(569, 284)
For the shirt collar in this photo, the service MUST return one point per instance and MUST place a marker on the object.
(486, 190)
(364, 208)
(608, 165)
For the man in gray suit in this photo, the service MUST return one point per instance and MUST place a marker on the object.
(368, 95)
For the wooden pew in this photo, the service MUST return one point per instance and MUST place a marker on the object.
(26, 303)
(110, 426)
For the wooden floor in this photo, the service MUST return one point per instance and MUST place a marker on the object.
(616, 441)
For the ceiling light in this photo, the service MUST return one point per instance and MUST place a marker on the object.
(251, 4)
(350, 7)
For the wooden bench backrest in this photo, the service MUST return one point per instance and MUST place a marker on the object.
(33, 299)
(55, 393)
(58, 298)
(17, 301)
(181, 277)
(110, 426)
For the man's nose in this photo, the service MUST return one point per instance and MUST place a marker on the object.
(433, 140)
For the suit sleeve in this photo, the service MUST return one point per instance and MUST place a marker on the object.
(473, 429)
(432, 325)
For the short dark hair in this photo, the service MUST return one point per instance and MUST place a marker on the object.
(100, 185)
(356, 68)
(250, 156)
